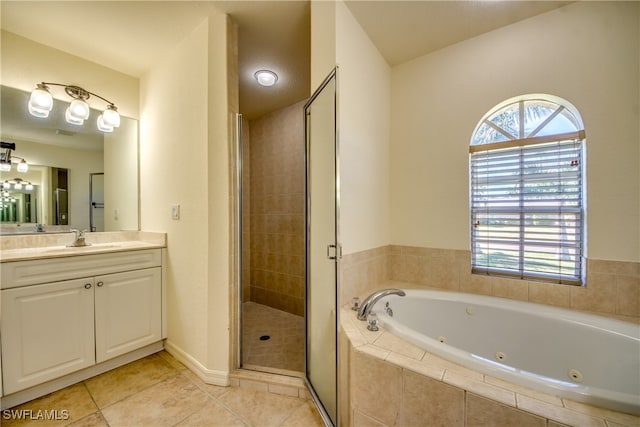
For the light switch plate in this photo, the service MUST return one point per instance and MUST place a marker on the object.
(175, 212)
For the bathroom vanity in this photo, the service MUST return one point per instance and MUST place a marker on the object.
(71, 313)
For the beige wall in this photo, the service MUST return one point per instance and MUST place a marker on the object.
(586, 53)
(185, 161)
(277, 209)
(323, 41)
(25, 63)
(363, 128)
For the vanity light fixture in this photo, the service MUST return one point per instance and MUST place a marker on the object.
(266, 77)
(41, 103)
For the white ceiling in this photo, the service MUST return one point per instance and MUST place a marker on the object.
(130, 36)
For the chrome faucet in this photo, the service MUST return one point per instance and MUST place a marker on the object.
(79, 239)
(372, 299)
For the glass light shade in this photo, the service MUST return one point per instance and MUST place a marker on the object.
(40, 102)
(5, 166)
(79, 109)
(102, 126)
(23, 166)
(17, 186)
(266, 77)
(28, 187)
(71, 119)
(6, 185)
(111, 117)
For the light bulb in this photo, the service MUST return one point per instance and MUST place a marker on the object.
(111, 117)
(5, 166)
(23, 166)
(6, 185)
(71, 119)
(40, 102)
(266, 77)
(17, 186)
(79, 109)
(102, 126)
(28, 187)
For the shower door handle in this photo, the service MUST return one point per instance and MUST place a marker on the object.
(334, 251)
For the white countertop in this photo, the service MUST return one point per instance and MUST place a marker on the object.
(22, 248)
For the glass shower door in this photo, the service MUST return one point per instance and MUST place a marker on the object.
(322, 247)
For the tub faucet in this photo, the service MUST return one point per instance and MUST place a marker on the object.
(371, 300)
(79, 239)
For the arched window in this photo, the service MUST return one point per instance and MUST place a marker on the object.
(526, 191)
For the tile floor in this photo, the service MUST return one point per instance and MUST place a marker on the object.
(159, 391)
(284, 350)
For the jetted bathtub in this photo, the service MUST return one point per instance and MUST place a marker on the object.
(578, 356)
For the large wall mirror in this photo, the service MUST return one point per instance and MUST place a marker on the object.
(78, 176)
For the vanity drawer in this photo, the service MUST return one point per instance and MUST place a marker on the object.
(24, 273)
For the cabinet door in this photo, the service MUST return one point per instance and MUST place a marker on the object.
(47, 332)
(128, 311)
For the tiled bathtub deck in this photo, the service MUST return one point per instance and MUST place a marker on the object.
(459, 396)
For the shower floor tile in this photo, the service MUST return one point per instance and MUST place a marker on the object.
(283, 350)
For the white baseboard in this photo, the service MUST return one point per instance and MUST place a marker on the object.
(209, 376)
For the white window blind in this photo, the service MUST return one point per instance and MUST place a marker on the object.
(526, 210)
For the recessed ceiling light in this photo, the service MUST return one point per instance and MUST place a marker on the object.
(266, 77)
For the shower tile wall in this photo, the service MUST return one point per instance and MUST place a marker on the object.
(277, 209)
(246, 210)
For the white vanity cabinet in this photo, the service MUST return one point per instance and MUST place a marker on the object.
(47, 332)
(127, 312)
(58, 318)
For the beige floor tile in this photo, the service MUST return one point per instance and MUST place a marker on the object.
(212, 415)
(164, 404)
(172, 360)
(210, 389)
(155, 392)
(307, 415)
(62, 407)
(124, 381)
(261, 408)
(94, 420)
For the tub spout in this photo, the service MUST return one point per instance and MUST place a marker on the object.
(371, 300)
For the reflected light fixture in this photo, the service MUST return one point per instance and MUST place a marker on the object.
(18, 184)
(5, 158)
(41, 103)
(266, 77)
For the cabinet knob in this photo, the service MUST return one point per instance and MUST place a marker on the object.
(87, 286)
(99, 284)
